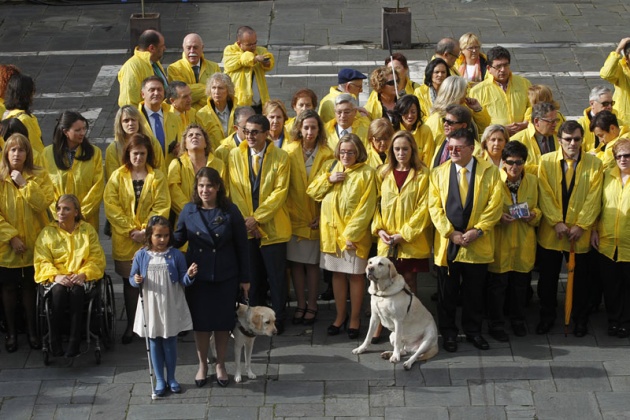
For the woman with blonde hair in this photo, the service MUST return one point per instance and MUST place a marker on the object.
(217, 117)
(471, 64)
(493, 141)
(26, 192)
(383, 96)
(379, 135)
(276, 113)
(542, 93)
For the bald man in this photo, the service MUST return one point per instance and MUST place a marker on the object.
(193, 69)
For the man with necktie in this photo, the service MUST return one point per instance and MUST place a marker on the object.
(539, 137)
(346, 121)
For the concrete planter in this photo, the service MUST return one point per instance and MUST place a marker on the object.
(398, 21)
(138, 24)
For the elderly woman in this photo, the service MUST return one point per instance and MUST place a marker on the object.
(399, 63)
(380, 135)
(6, 71)
(307, 156)
(135, 192)
(302, 100)
(515, 244)
(408, 116)
(347, 190)
(434, 75)
(472, 64)
(542, 93)
(217, 117)
(69, 260)
(612, 242)
(18, 99)
(383, 96)
(454, 91)
(128, 122)
(76, 166)
(493, 140)
(276, 113)
(197, 153)
(26, 193)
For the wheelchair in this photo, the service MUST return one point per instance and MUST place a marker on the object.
(99, 319)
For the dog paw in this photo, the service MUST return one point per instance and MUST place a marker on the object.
(407, 365)
(251, 375)
(386, 355)
(395, 358)
(358, 350)
(237, 378)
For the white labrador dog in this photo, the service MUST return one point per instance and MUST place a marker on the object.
(252, 322)
(412, 325)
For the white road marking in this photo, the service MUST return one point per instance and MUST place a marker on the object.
(101, 87)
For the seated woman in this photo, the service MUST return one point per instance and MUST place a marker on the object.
(68, 261)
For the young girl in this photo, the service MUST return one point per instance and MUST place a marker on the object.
(162, 269)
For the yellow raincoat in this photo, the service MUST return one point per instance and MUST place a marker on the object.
(185, 118)
(32, 125)
(588, 143)
(271, 214)
(223, 151)
(241, 66)
(327, 105)
(60, 252)
(503, 107)
(113, 156)
(424, 96)
(182, 70)
(515, 243)
(425, 142)
(23, 214)
(172, 131)
(373, 106)
(528, 138)
(84, 179)
(131, 75)
(616, 71)
(584, 204)
(302, 208)
(121, 211)
(360, 127)
(614, 220)
(405, 212)
(181, 179)
(373, 159)
(208, 119)
(560, 116)
(347, 207)
(486, 213)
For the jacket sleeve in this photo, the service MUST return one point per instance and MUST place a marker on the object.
(161, 197)
(274, 201)
(92, 200)
(266, 53)
(182, 270)
(320, 186)
(180, 235)
(116, 212)
(7, 231)
(234, 58)
(360, 220)
(436, 207)
(130, 86)
(112, 162)
(135, 269)
(549, 206)
(592, 205)
(420, 219)
(492, 212)
(38, 192)
(45, 270)
(611, 71)
(178, 198)
(94, 263)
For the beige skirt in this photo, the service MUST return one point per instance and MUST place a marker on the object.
(304, 251)
(347, 262)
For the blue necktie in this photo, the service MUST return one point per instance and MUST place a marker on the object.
(159, 129)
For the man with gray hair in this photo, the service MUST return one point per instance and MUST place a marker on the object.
(346, 121)
(241, 114)
(448, 50)
(539, 137)
(193, 69)
(600, 99)
(179, 96)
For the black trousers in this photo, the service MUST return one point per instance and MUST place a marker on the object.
(549, 265)
(615, 278)
(468, 280)
(268, 267)
(511, 287)
(67, 297)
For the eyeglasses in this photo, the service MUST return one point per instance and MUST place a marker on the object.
(347, 152)
(556, 121)
(624, 155)
(344, 112)
(391, 82)
(607, 103)
(252, 132)
(240, 128)
(519, 162)
(501, 66)
(456, 148)
(572, 139)
(450, 122)
(359, 86)
(471, 48)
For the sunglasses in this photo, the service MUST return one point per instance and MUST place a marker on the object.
(572, 139)
(450, 122)
(391, 83)
(519, 162)
(252, 132)
(624, 155)
(607, 103)
(456, 148)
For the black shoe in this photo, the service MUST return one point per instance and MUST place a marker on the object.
(298, 316)
(478, 341)
(334, 330)
(127, 338)
(353, 333)
(34, 342)
(11, 343)
(623, 332)
(499, 335)
(544, 327)
(450, 344)
(279, 328)
(223, 382)
(55, 347)
(327, 294)
(519, 330)
(376, 340)
(310, 321)
(73, 349)
(201, 382)
(580, 330)
(613, 329)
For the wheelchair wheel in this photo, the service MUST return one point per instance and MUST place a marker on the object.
(108, 319)
(42, 323)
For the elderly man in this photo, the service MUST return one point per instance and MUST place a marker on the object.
(259, 183)
(570, 186)
(180, 98)
(348, 81)
(600, 99)
(503, 93)
(241, 114)
(159, 120)
(465, 202)
(457, 117)
(616, 70)
(144, 63)
(193, 69)
(448, 50)
(217, 117)
(246, 63)
(346, 121)
(539, 138)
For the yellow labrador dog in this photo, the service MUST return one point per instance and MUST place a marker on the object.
(393, 304)
(252, 322)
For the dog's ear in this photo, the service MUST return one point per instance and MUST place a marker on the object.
(392, 270)
(257, 321)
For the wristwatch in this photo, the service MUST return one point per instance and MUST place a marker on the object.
(479, 232)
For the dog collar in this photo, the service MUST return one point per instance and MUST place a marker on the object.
(245, 332)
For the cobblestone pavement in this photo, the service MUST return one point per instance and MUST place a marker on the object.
(74, 52)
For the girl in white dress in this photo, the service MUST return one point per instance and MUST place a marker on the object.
(161, 271)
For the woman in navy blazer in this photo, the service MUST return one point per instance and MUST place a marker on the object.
(217, 241)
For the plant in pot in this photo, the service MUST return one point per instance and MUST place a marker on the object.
(140, 22)
(396, 21)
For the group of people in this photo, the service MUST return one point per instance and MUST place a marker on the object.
(475, 168)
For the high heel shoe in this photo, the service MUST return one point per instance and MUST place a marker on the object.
(298, 315)
(310, 321)
(34, 342)
(334, 330)
(11, 343)
(353, 333)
